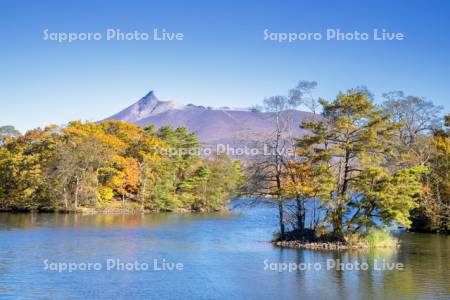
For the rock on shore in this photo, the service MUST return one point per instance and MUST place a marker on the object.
(318, 245)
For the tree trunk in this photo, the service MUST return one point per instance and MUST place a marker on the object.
(142, 197)
(278, 165)
(300, 213)
(281, 217)
(338, 214)
(76, 193)
(313, 217)
(65, 202)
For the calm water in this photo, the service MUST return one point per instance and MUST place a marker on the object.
(223, 257)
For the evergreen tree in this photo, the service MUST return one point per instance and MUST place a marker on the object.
(354, 138)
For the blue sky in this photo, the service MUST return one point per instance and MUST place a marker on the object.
(223, 59)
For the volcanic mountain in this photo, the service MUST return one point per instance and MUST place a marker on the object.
(212, 125)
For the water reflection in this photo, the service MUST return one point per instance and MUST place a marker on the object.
(223, 255)
(61, 220)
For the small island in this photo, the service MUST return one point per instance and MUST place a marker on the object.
(357, 172)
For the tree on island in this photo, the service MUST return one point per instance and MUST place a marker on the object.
(354, 140)
(346, 161)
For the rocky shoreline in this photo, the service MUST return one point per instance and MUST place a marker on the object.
(318, 245)
(297, 244)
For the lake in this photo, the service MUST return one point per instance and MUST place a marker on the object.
(219, 256)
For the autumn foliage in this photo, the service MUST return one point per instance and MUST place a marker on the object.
(112, 164)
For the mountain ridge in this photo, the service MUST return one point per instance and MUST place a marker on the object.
(212, 125)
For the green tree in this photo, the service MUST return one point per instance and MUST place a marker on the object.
(433, 212)
(23, 160)
(420, 140)
(8, 131)
(354, 139)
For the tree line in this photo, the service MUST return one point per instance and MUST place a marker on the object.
(112, 164)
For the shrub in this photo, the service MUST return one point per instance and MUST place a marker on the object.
(375, 237)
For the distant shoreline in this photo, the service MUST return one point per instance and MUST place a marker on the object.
(105, 211)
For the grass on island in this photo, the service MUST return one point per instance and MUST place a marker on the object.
(380, 238)
(320, 238)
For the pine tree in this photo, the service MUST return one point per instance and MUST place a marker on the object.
(353, 139)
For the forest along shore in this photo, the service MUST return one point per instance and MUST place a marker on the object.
(113, 165)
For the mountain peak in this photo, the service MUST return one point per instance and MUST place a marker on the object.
(150, 95)
(147, 99)
(147, 106)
